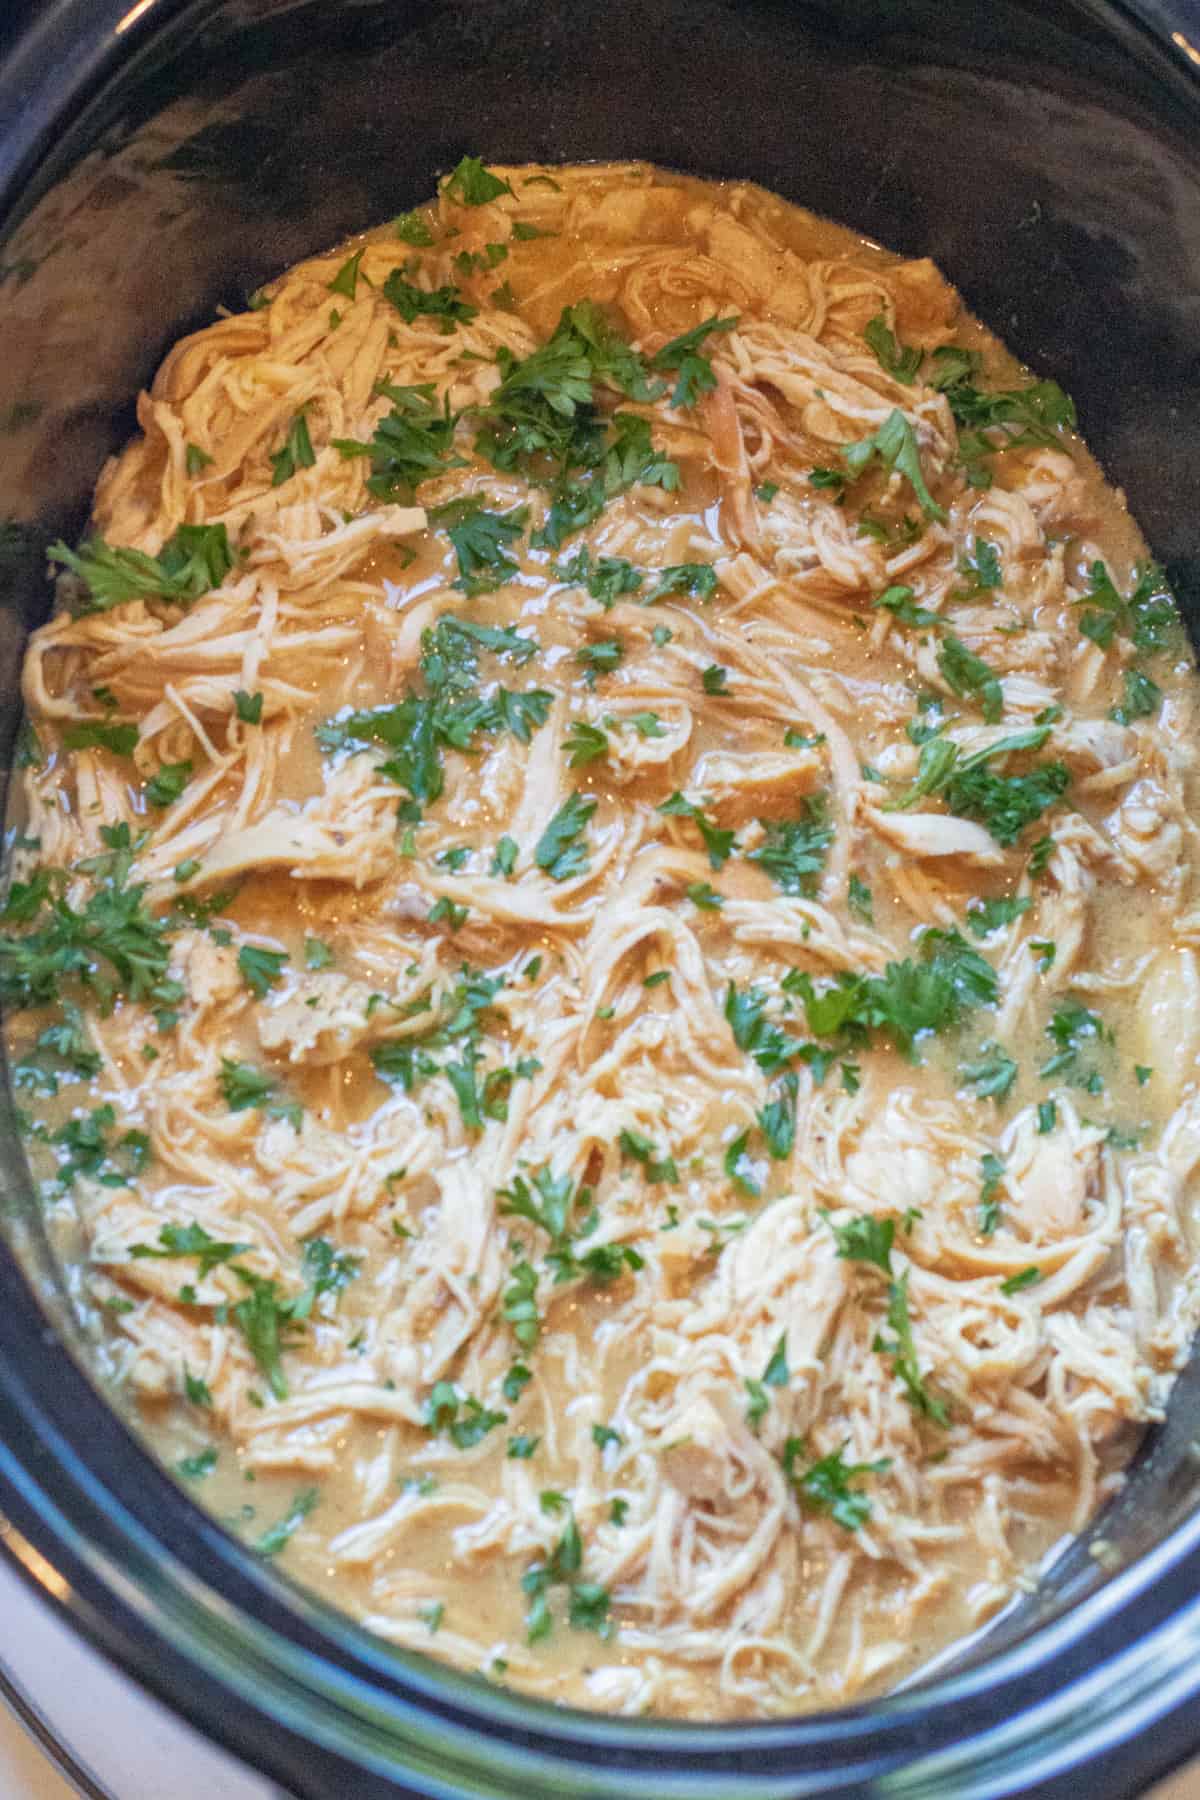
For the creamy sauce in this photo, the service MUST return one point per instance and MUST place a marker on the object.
(674, 1454)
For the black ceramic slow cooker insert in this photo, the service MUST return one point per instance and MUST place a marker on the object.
(161, 157)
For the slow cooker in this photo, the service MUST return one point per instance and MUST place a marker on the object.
(159, 158)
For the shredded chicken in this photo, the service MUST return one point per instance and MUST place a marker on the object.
(653, 1116)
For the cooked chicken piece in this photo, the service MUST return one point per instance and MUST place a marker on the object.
(764, 784)
(936, 834)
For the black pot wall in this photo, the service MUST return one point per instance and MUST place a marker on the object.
(1046, 155)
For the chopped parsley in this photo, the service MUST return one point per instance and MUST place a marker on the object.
(655, 1168)
(245, 1088)
(860, 900)
(903, 1352)
(504, 857)
(558, 851)
(697, 579)
(1072, 1028)
(683, 356)
(297, 452)
(600, 659)
(412, 228)
(466, 1420)
(775, 1375)
(1143, 698)
(717, 841)
(895, 445)
(248, 707)
(987, 916)
(990, 1074)
(606, 580)
(412, 302)
(901, 361)
(825, 1485)
(195, 559)
(473, 185)
(777, 1119)
(585, 743)
(94, 734)
(793, 851)
(991, 1172)
(865, 1238)
(195, 1468)
(705, 896)
(261, 969)
(449, 714)
(967, 675)
(1024, 1278)
(412, 444)
(346, 280)
(480, 541)
(1148, 615)
(111, 945)
(278, 1536)
(167, 783)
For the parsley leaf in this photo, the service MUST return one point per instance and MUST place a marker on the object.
(273, 1541)
(412, 444)
(260, 969)
(473, 185)
(903, 1352)
(991, 1171)
(793, 851)
(705, 896)
(243, 1087)
(860, 900)
(480, 539)
(991, 1073)
(248, 707)
(111, 945)
(824, 1486)
(697, 579)
(297, 452)
(412, 302)
(519, 1305)
(717, 842)
(981, 569)
(866, 1238)
(1143, 698)
(92, 734)
(584, 743)
(777, 1119)
(968, 675)
(895, 445)
(557, 851)
(606, 579)
(901, 361)
(1022, 1279)
(190, 1240)
(346, 280)
(195, 559)
(683, 355)
(412, 228)
(656, 1168)
(600, 659)
(167, 783)
(986, 916)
